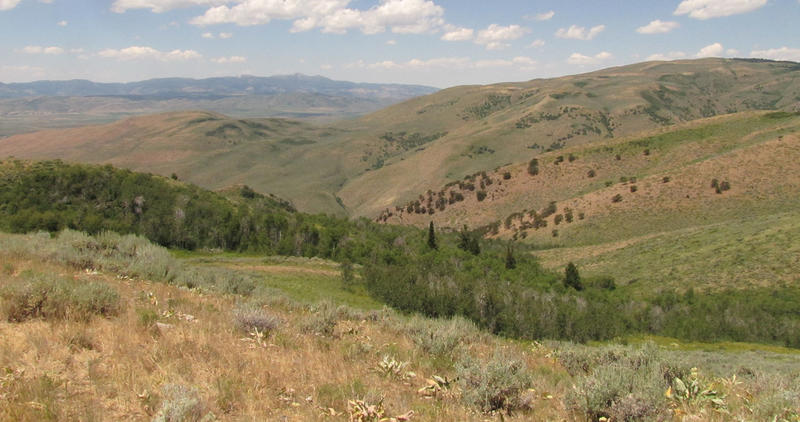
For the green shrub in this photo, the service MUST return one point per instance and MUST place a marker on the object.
(620, 384)
(441, 337)
(497, 384)
(481, 195)
(617, 198)
(54, 298)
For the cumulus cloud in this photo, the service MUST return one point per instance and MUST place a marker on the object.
(391, 42)
(707, 9)
(657, 27)
(160, 6)
(458, 34)
(580, 59)
(546, 16)
(8, 4)
(149, 53)
(225, 35)
(208, 35)
(231, 59)
(537, 44)
(36, 49)
(330, 16)
(782, 53)
(712, 50)
(496, 37)
(62, 23)
(576, 32)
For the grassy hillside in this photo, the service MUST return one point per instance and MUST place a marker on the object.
(362, 166)
(645, 209)
(279, 156)
(109, 339)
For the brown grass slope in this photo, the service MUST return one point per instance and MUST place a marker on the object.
(754, 152)
(489, 126)
(169, 353)
(365, 165)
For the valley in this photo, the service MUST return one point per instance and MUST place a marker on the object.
(614, 245)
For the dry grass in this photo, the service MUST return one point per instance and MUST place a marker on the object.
(174, 353)
(196, 357)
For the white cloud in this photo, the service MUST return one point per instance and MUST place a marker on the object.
(149, 53)
(580, 59)
(657, 27)
(331, 16)
(672, 55)
(35, 49)
(580, 33)
(458, 34)
(231, 59)
(707, 9)
(521, 62)
(495, 36)
(712, 50)
(208, 35)
(783, 53)
(225, 35)
(8, 4)
(62, 23)
(326, 67)
(160, 6)
(391, 42)
(731, 52)
(537, 44)
(546, 16)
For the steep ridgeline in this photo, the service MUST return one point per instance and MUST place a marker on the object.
(362, 166)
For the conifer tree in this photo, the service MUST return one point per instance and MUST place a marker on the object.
(572, 278)
(431, 237)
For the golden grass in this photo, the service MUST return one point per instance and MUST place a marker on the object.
(117, 368)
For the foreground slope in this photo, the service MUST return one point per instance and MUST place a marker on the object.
(111, 340)
(365, 165)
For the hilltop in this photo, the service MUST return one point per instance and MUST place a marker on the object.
(362, 166)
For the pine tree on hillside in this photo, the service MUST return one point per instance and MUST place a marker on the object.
(572, 278)
(431, 237)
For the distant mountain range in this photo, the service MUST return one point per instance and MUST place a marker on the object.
(171, 88)
(27, 107)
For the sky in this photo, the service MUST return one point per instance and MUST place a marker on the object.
(438, 43)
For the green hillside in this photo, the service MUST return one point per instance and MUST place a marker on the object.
(362, 166)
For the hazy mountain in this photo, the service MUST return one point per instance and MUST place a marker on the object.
(27, 107)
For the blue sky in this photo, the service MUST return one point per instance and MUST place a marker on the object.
(432, 42)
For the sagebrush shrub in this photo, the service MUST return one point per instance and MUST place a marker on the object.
(499, 383)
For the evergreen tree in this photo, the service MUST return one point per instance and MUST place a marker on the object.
(468, 241)
(572, 278)
(431, 237)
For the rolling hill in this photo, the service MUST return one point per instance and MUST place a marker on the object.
(382, 160)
